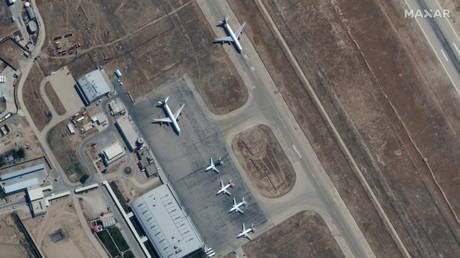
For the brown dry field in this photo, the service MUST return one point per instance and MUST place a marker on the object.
(386, 94)
(61, 215)
(54, 99)
(10, 53)
(151, 42)
(37, 108)
(454, 8)
(260, 154)
(302, 235)
(65, 148)
(11, 239)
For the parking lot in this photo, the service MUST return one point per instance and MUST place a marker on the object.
(184, 159)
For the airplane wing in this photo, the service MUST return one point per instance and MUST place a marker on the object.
(176, 115)
(248, 236)
(227, 192)
(224, 39)
(239, 30)
(240, 210)
(162, 120)
(215, 169)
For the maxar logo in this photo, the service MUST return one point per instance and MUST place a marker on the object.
(426, 13)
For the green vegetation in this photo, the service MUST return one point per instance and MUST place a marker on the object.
(84, 178)
(128, 254)
(105, 238)
(15, 154)
(120, 197)
(128, 170)
(118, 238)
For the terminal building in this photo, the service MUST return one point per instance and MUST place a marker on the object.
(93, 86)
(168, 229)
(22, 179)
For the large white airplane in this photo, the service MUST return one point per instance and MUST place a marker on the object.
(233, 37)
(245, 232)
(213, 166)
(237, 206)
(223, 188)
(170, 117)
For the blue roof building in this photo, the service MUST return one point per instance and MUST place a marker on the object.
(23, 179)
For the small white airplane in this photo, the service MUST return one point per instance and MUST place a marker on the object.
(237, 206)
(213, 166)
(245, 232)
(223, 188)
(170, 117)
(233, 37)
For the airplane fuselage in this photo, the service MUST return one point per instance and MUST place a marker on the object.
(233, 36)
(169, 114)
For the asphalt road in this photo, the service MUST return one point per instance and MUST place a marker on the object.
(313, 189)
(442, 37)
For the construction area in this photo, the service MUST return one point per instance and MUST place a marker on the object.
(266, 164)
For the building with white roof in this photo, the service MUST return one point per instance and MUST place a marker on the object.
(23, 179)
(167, 227)
(129, 133)
(112, 153)
(93, 86)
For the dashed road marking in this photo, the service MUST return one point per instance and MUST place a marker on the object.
(456, 48)
(296, 151)
(444, 54)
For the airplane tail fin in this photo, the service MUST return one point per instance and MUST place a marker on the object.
(231, 183)
(253, 228)
(223, 22)
(163, 101)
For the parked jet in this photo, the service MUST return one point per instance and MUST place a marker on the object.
(233, 37)
(245, 232)
(223, 188)
(213, 166)
(170, 117)
(237, 206)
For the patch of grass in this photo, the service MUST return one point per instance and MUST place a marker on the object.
(118, 238)
(128, 254)
(104, 236)
(128, 170)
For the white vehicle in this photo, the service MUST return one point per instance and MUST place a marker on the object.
(237, 206)
(245, 232)
(224, 188)
(213, 166)
(233, 37)
(170, 117)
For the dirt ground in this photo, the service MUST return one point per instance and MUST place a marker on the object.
(151, 42)
(65, 148)
(387, 96)
(263, 159)
(454, 8)
(10, 53)
(54, 99)
(10, 239)
(21, 135)
(302, 235)
(37, 108)
(61, 215)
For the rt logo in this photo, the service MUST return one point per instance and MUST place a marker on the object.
(426, 13)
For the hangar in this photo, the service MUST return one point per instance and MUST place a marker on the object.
(93, 86)
(22, 179)
(167, 227)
